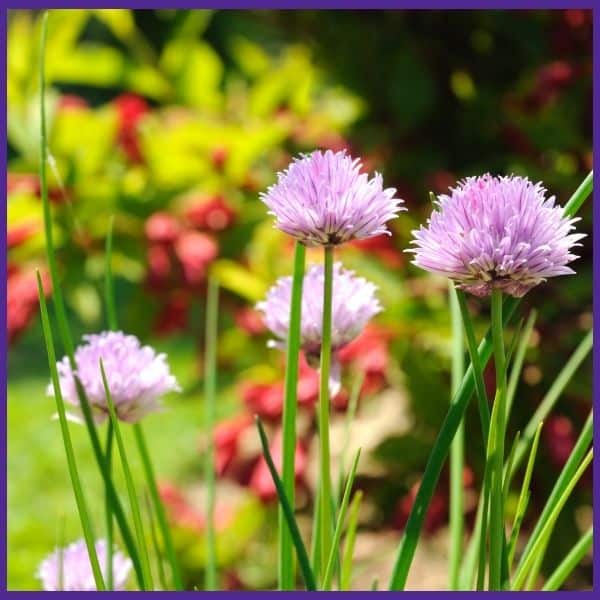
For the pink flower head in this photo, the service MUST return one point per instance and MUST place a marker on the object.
(324, 199)
(77, 575)
(496, 233)
(137, 376)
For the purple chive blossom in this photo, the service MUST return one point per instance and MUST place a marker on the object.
(77, 575)
(323, 199)
(354, 303)
(137, 377)
(496, 233)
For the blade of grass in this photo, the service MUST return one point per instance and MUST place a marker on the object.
(210, 400)
(517, 365)
(580, 195)
(290, 520)
(109, 293)
(60, 544)
(536, 551)
(133, 499)
(288, 472)
(158, 506)
(469, 564)
(523, 497)
(157, 550)
(346, 569)
(108, 513)
(82, 509)
(437, 457)
(553, 394)
(339, 526)
(569, 562)
(567, 473)
(349, 419)
(509, 466)
(457, 450)
(315, 550)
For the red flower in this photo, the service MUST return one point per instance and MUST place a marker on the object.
(69, 102)
(369, 353)
(22, 300)
(249, 320)
(559, 435)
(130, 108)
(195, 252)
(212, 213)
(226, 437)
(219, 156)
(383, 248)
(173, 317)
(261, 481)
(20, 234)
(23, 183)
(264, 399)
(159, 267)
(162, 227)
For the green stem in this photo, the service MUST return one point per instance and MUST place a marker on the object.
(324, 455)
(497, 496)
(484, 408)
(158, 506)
(84, 517)
(108, 512)
(569, 562)
(133, 500)
(457, 451)
(210, 393)
(288, 475)
(109, 292)
(580, 195)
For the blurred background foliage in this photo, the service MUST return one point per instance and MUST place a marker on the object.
(173, 121)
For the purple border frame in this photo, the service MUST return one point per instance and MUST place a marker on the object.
(312, 4)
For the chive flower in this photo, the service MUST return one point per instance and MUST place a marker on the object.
(354, 303)
(323, 199)
(69, 569)
(496, 233)
(137, 376)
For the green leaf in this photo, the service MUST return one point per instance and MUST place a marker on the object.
(535, 553)
(570, 561)
(523, 496)
(346, 575)
(305, 569)
(337, 534)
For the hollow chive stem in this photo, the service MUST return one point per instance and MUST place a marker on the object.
(325, 513)
(286, 556)
(496, 531)
(457, 450)
(210, 393)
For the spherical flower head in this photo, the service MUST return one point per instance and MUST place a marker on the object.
(354, 303)
(496, 233)
(77, 575)
(137, 376)
(324, 199)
